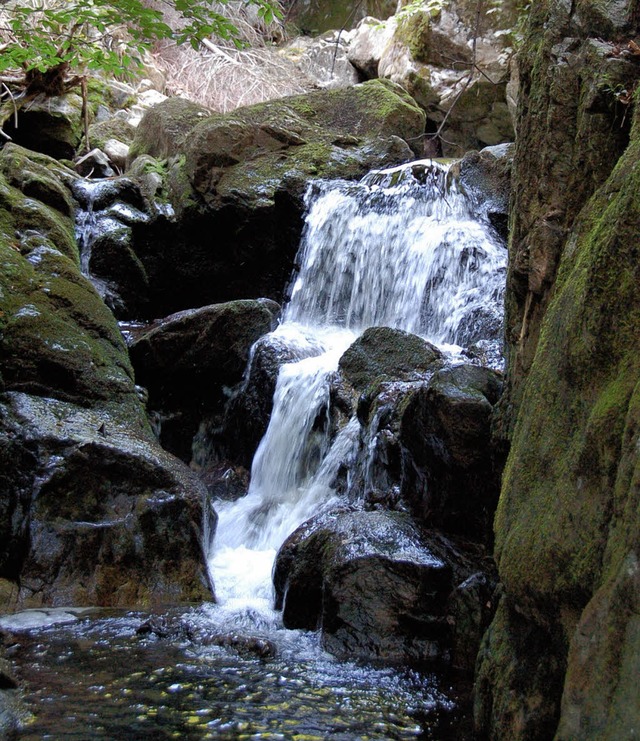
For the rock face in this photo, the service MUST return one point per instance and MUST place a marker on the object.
(376, 586)
(563, 650)
(87, 496)
(237, 185)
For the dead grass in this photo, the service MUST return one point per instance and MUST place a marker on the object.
(223, 77)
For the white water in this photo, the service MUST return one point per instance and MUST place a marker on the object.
(388, 251)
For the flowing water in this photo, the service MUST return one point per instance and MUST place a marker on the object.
(403, 248)
(394, 250)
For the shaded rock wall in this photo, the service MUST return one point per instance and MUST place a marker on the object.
(92, 510)
(563, 649)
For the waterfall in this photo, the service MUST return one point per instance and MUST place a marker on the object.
(403, 248)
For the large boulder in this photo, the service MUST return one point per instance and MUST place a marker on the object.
(52, 125)
(186, 360)
(562, 654)
(451, 478)
(101, 515)
(378, 587)
(236, 183)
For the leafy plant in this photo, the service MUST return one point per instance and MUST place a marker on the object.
(42, 35)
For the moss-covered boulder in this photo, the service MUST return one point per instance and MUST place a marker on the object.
(383, 353)
(236, 183)
(51, 125)
(567, 522)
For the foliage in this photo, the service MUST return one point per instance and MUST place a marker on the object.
(42, 35)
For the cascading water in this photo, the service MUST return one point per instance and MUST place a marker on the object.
(402, 248)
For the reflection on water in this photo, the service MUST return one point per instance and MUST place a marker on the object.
(98, 678)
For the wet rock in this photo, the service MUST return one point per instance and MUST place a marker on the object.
(261, 648)
(91, 509)
(450, 478)
(376, 586)
(383, 353)
(102, 515)
(167, 628)
(562, 650)
(248, 413)
(186, 359)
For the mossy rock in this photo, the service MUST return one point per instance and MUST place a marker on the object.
(113, 128)
(383, 353)
(50, 125)
(567, 521)
(248, 153)
(58, 337)
(164, 128)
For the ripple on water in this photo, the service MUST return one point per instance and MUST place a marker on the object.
(99, 679)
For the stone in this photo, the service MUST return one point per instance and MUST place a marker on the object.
(88, 500)
(249, 410)
(322, 59)
(104, 516)
(236, 188)
(185, 360)
(375, 585)
(567, 521)
(386, 353)
(368, 41)
(451, 479)
(51, 125)
(317, 16)
(95, 164)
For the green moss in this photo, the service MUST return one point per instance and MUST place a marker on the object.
(414, 31)
(58, 338)
(562, 482)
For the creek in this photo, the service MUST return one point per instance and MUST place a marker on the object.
(404, 248)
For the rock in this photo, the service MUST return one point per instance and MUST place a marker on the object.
(389, 354)
(261, 648)
(165, 126)
(450, 477)
(117, 152)
(115, 128)
(95, 164)
(102, 515)
(323, 59)
(375, 585)
(51, 125)
(427, 50)
(486, 177)
(367, 43)
(249, 410)
(317, 16)
(567, 523)
(88, 499)
(241, 178)
(186, 359)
